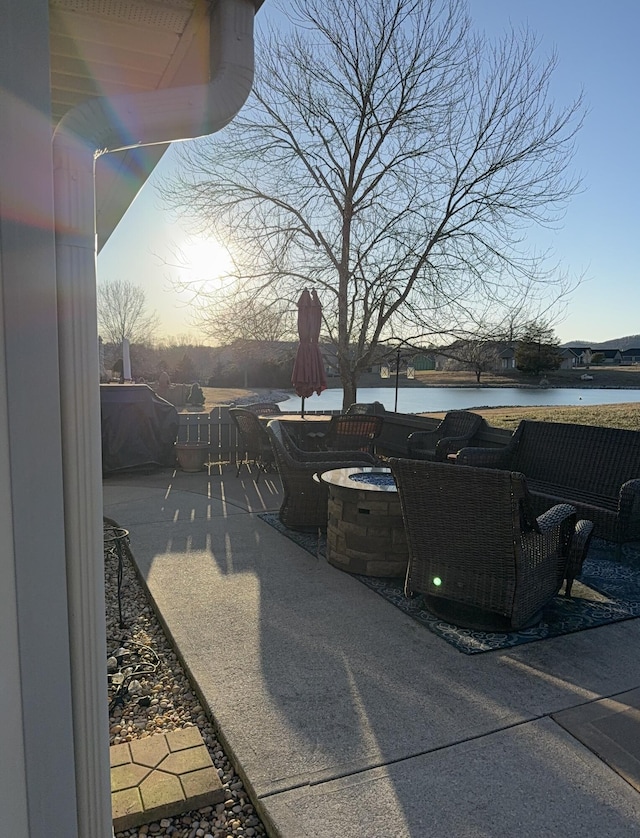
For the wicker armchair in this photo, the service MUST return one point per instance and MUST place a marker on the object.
(253, 440)
(452, 434)
(352, 432)
(476, 552)
(304, 504)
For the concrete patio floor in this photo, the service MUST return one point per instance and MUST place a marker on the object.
(346, 717)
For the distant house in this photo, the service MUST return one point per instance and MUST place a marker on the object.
(611, 355)
(631, 356)
(571, 358)
(507, 358)
(585, 354)
(582, 354)
(424, 361)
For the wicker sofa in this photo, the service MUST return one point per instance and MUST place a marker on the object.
(595, 469)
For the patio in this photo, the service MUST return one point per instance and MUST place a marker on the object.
(342, 714)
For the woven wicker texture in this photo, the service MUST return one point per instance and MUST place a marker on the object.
(453, 433)
(353, 432)
(476, 551)
(595, 469)
(304, 504)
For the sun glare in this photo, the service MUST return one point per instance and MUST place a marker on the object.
(206, 260)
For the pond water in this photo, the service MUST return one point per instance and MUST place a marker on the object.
(436, 399)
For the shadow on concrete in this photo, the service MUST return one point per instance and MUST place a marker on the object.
(339, 708)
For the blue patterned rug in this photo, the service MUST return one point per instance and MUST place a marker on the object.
(608, 591)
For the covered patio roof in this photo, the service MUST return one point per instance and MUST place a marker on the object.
(107, 48)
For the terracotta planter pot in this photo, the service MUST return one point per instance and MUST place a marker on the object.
(192, 456)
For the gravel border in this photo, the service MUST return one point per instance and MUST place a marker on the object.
(149, 692)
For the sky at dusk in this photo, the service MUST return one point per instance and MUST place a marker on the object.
(599, 238)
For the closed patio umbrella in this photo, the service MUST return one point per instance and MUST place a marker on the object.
(308, 375)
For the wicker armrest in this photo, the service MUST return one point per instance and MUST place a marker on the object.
(555, 516)
(578, 553)
(421, 441)
(484, 457)
(629, 510)
(450, 445)
(556, 526)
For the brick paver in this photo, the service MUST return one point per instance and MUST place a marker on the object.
(160, 776)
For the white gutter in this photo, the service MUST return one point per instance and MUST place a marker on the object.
(178, 113)
(93, 128)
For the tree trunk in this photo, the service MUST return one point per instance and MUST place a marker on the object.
(349, 390)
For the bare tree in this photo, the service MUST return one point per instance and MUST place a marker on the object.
(391, 158)
(122, 313)
(239, 314)
(477, 355)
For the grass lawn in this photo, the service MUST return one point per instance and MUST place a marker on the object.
(603, 378)
(607, 415)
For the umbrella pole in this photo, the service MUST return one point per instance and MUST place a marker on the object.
(302, 413)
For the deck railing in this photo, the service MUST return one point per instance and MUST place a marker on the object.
(218, 431)
(214, 429)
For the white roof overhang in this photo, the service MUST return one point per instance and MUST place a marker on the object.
(107, 55)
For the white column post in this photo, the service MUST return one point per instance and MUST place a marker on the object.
(37, 764)
(82, 476)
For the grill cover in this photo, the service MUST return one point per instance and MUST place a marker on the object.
(138, 427)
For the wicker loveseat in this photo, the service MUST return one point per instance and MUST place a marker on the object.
(305, 502)
(595, 469)
(476, 552)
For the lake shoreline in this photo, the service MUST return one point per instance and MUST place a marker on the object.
(580, 385)
(604, 378)
(437, 399)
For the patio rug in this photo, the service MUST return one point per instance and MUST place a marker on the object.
(608, 591)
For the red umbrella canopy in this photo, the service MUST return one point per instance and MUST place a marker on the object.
(308, 375)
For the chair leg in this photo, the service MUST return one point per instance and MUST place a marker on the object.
(578, 552)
